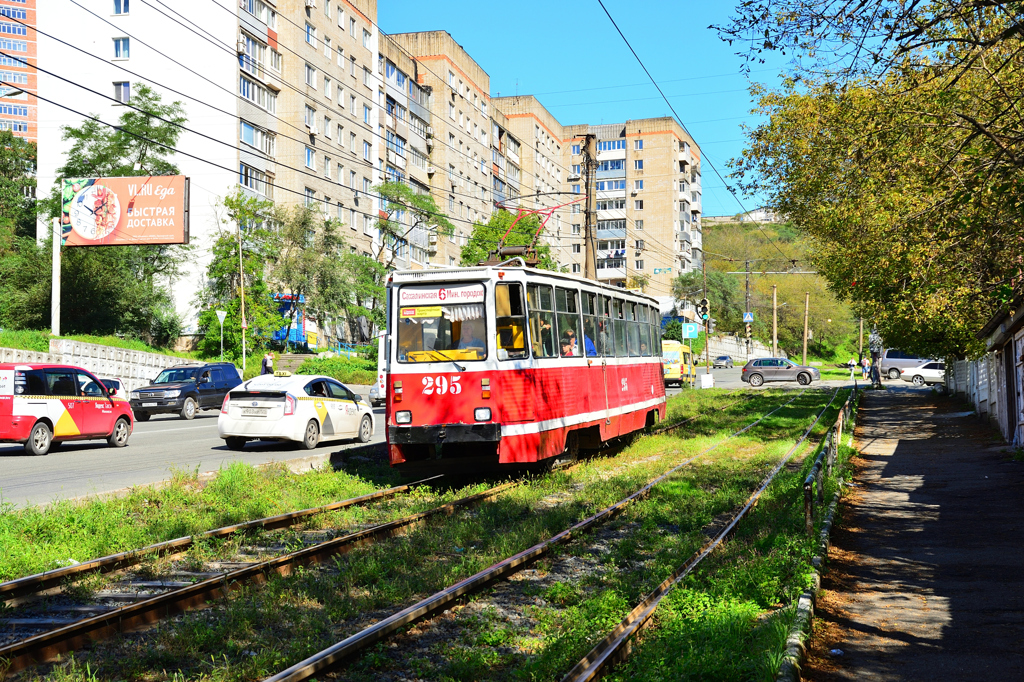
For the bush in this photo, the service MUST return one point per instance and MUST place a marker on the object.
(354, 371)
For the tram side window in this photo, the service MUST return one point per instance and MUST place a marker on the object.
(606, 346)
(656, 331)
(632, 329)
(619, 329)
(543, 337)
(510, 312)
(566, 305)
(591, 339)
(643, 317)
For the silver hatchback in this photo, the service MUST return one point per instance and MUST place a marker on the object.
(760, 370)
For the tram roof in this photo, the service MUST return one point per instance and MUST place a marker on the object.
(487, 271)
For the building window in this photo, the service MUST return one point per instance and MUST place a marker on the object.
(121, 48)
(639, 224)
(275, 60)
(451, 204)
(366, 114)
(575, 189)
(575, 248)
(352, 27)
(575, 208)
(366, 150)
(638, 164)
(352, 142)
(309, 117)
(451, 111)
(120, 6)
(310, 198)
(610, 145)
(257, 94)
(352, 179)
(352, 219)
(638, 184)
(256, 137)
(327, 128)
(123, 91)
(576, 150)
(451, 79)
(576, 169)
(328, 50)
(366, 185)
(575, 229)
(311, 34)
(638, 145)
(341, 139)
(639, 244)
(327, 87)
(310, 158)
(638, 264)
(576, 267)
(255, 180)
(327, 167)
(366, 38)
(366, 76)
(638, 204)
(310, 76)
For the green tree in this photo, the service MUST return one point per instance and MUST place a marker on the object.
(485, 238)
(404, 212)
(673, 331)
(725, 300)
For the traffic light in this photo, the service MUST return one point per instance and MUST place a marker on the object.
(748, 331)
(702, 310)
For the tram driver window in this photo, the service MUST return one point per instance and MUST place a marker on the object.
(436, 333)
(510, 313)
(543, 334)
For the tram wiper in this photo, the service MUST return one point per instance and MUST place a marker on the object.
(451, 360)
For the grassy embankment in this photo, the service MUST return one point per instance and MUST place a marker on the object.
(261, 630)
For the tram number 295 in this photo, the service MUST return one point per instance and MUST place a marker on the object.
(440, 385)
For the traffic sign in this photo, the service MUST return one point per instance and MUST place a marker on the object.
(748, 317)
(691, 330)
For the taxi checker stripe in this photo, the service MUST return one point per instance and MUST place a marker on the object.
(574, 419)
(69, 397)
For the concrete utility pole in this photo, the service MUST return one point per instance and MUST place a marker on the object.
(748, 306)
(807, 311)
(860, 348)
(55, 280)
(241, 288)
(775, 322)
(589, 149)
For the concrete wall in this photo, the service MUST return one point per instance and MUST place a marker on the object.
(736, 348)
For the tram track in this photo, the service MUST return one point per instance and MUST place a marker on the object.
(444, 599)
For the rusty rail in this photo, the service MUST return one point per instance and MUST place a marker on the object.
(33, 584)
(50, 644)
(615, 646)
(355, 643)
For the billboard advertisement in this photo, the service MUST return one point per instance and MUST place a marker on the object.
(125, 211)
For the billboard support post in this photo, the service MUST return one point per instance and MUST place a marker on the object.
(55, 280)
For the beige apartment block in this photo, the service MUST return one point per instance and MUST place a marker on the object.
(546, 177)
(460, 156)
(327, 105)
(648, 200)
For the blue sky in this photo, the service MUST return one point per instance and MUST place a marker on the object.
(571, 57)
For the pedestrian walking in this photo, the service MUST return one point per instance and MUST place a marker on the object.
(851, 364)
(267, 366)
(865, 365)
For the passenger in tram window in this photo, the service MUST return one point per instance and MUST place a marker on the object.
(567, 349)
(471, 336)
(643, 348)
(573, 341)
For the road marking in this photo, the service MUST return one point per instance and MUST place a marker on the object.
(183, 428)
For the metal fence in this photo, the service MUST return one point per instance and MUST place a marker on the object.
(814, 484)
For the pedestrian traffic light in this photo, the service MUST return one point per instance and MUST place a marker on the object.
(702, 310)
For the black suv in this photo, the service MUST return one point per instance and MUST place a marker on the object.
(185, 389)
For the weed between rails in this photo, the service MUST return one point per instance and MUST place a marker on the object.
(259, 631)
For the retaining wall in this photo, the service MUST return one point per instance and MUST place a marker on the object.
(736, 348)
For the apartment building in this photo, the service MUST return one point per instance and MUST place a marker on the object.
(18, 104)
(460, 153)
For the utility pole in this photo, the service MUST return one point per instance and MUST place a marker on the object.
(590, 211)
(807, 310)
(748, 307)
(707, 322)
(775, 322)
(241, 289)
(58, 234)
(860, 348)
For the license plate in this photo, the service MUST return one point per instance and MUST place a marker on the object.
(149, 404)
(254, 412)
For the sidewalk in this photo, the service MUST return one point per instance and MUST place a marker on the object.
(925, 579)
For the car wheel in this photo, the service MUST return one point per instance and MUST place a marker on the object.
(142, 416)
(918, 380)
(756, 379)
(312, 436)
(803, 379)
(365, 429)
(894, 373)
(39, 439)
(188, 410)
(119, 436)
(235, 442)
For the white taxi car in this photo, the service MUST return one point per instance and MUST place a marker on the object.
(931, 372)
(295, 407)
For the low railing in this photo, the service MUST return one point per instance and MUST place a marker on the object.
(814, 484)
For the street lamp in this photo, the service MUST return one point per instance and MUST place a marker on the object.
(220, 316)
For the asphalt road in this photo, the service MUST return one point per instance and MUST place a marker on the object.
(156, 448)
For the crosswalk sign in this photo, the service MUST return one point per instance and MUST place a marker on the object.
(748, 317)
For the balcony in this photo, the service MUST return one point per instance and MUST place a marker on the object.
(611, 273)
(396, 160)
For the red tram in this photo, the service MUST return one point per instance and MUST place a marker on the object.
(516, 364)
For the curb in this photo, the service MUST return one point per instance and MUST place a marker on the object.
(789, 671)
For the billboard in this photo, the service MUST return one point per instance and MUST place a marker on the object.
(141, 210)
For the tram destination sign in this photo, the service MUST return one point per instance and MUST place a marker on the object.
(440, 295)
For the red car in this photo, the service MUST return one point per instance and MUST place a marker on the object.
(42, 406)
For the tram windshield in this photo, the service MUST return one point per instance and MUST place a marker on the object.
(441, 322)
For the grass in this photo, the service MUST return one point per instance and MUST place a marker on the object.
(36, 540)
(259, 631)
(347, 371)
(39, 341)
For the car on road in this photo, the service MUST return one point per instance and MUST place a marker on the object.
(43, 406)
(932, 372)
(302, 408)
(722, 361)
(118, 385)
(894, 361)
(185, 389)
(761, 370)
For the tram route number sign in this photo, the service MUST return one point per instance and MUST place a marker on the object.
(691, 330)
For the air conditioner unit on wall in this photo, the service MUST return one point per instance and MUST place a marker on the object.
(310, 3)
(430, 131)
(241, 45)
(431, 170)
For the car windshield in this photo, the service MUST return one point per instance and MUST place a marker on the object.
(175, 376)
(723, 357)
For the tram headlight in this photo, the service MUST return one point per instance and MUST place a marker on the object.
(482, 414)
(403, 417)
